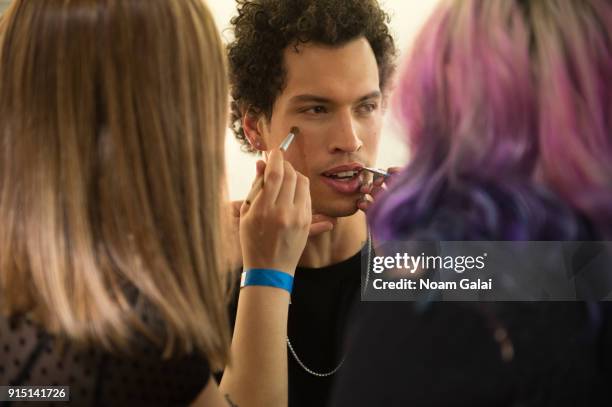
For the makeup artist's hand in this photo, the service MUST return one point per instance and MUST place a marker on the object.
(372, 189)
(274, 227)
(236, 254)
(319, 224)
(234, 236)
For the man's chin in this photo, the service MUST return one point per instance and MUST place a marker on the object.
(339, 209)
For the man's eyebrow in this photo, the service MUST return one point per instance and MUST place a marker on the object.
(372, 95)
(321, 99)
(309, 98)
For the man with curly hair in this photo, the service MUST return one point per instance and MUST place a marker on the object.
(323, 66)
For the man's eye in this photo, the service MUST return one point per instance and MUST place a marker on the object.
(367, 107)
(315, 110)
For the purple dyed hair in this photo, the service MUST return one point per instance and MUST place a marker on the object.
(507, 108)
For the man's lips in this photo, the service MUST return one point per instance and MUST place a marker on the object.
(339, 179)
(348, 187)
(343, 168)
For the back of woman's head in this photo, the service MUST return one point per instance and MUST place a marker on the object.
(112, 115)
(508, 109)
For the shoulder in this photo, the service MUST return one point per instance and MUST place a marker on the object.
(31, 356)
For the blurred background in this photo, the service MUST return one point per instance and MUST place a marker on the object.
(406, 19)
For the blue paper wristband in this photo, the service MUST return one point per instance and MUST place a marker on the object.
(267, 277)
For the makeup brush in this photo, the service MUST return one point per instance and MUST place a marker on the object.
(283, 147)
(376, 171)
(289, 139)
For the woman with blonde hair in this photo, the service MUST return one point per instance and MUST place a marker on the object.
(112, 244)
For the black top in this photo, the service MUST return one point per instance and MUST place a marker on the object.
(555, 354)
(482, 354)
(319, 309)
(318, 313)
(30, 357)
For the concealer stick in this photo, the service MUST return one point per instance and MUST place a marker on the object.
(284, 146)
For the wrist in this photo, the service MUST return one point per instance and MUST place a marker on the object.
(265, 263)
(267, 277)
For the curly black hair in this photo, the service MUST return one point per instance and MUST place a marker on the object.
(264, 28)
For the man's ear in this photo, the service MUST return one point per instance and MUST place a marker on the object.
(253, 125)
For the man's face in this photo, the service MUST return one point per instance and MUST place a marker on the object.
(332, 94)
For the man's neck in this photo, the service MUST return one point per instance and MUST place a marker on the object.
(346, 238)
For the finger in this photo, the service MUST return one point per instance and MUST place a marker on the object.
(286, 194)
(377, 190)
(366, 188)
(235, 207)
(260, 167)
(244, 208)
(394, 170)
(302, 190)
(319, 228)
(364, 203)
(302, 199)
(318, 218)
(273, 175)
(254, 192)
(308, 205)
(257, 183)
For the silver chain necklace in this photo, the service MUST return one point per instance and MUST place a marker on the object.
(331, 372)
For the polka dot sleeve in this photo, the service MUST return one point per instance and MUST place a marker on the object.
(30, 357)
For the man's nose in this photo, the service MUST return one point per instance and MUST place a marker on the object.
(345, 137)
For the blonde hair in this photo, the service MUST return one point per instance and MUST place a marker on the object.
(112, 117)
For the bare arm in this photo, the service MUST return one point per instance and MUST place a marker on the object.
(258, 373)
(273, 233)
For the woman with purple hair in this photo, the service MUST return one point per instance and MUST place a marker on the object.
(507, 107)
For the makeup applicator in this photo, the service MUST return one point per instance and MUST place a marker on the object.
(377, 171)
(284, 146)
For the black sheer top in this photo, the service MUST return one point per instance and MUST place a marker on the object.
(30, 357)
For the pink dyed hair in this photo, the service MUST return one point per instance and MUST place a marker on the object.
(508, 92)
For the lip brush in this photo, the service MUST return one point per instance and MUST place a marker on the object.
(377, 171)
